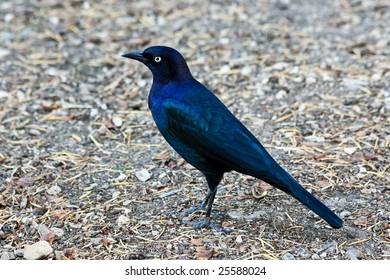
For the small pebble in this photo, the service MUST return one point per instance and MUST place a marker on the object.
(256, 215)
(96, 241)
(246, 71)
(94, 112)
(123, 220)
(126, 202)
(5, 256)
(311, 80)
(351, 83)
(141, 83)
(117, 121)
(8, 17)
(43, 230)
(20, 95)
(19, 252)
(303, 254)
(8, 246)
(236, 214)
(37, 251)
(280, 66)
(59, 255)
(281, 94)
(224, 40)
(316, 139)
(23, 202)
(54, 190)
(315, 257)
(330, 247)
(350, 150)
(353, 254)
(121, 177)
(345, 213)
(59, 233)
(3, 94)
(34, 132)
(288, 256)
(115, 194)
(142, 175)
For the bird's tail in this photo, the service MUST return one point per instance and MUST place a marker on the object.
(311, 202)
(285, 182)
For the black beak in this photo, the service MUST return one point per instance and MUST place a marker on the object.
(136, 55)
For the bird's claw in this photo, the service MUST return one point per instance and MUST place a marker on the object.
(192, 210)
(200, 208)
(204, 223)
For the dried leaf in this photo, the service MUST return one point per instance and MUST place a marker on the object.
(196, 242)
(242, 248)
(203, 254)
(163, 156)
(361, 221)
(322, 184)
(49, 106)
(70, 254)
(265, 186)
(59, 214)
(366, 191)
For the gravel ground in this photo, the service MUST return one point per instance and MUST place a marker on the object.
(84, 173)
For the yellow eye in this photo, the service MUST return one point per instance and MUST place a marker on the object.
(157, 59)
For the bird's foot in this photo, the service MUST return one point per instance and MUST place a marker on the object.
(199, 208)
(192, 210)
(204, 223)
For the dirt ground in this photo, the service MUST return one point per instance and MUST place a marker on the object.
(83, 166)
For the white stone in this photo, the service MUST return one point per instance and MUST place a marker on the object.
(311, 80)
(3, 94)
(280, 66)
(246, 71)
(350, 150)
(37, 251)
(281, 94)
(117, 121)
(142, 175)
(115, 194)
(121, 177)
(54, 190)
(123, 220)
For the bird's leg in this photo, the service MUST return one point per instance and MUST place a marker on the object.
(213, 182)
(200, 207)
(207, 201)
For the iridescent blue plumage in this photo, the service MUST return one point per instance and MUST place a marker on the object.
(208, 136)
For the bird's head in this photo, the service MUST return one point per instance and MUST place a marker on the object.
(166, 63)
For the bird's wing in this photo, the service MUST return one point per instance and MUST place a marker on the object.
(216, 134)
